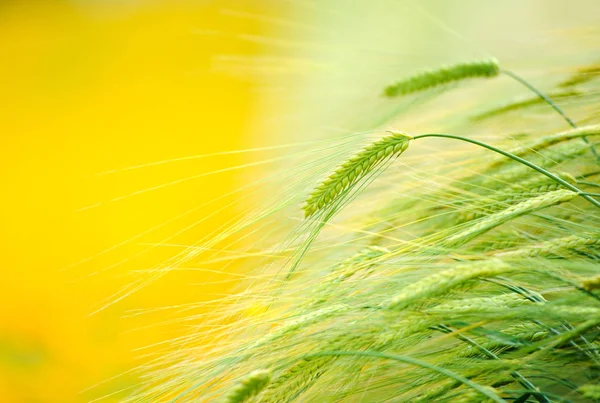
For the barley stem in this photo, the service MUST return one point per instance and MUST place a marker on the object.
(522, 380)
(413, 361)
(552, 104)
(444, 75)
(516, 158)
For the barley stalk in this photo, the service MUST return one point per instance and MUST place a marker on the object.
(525, 332)
(445, 281)
(482, 304)
(524, 103)
(250, 386)
(554, 106)
(447, 74)
(412, 361)
(472, 396)
(590, 391)
(517, 159)
(301, 322)
(582, 75)
(362, 261)
(492, 204)
(591, 284)
(299, 376)
(354, 170)
(569, 311)
(550, 140)
(294, 380)
(552, 157)
(527, 207)
(554, 246)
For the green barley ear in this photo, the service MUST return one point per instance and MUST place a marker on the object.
(590, 391)
(250, 386)
(523, 103)
(558, 247)
(591, 284)
(444, 281)
(355, 169)
(528, 206)
(447, 74)
(582, 75)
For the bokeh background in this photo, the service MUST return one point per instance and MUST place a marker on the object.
(87, 88)
(96, 94)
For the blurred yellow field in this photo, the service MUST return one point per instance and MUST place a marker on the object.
(90, 87)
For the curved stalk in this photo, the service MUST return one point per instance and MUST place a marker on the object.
(516, 158)
(412, 361)
(552, 104)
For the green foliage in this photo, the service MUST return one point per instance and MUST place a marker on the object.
(457, 276)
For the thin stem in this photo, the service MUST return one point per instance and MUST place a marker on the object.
(552, 104)
(522, 380)
(544, 97)
(516, 158)
(413, 361)
(589, 183)
(589, 175)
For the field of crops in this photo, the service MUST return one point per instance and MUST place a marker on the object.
(301, 201)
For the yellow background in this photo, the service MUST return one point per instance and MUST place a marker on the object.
(89, 87)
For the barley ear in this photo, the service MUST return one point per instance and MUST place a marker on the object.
(590, 391)
(444, 75)
(591, 284)
(250, 386)
(445, 281)
(582, 75)
(355, 169)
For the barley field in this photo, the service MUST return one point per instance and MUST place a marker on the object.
(300, 201)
